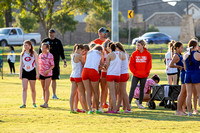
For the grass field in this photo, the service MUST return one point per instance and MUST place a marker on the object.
(58, 119)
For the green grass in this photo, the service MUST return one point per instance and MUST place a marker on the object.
(58, 119)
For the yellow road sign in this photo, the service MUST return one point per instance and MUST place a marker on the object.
(130, 13)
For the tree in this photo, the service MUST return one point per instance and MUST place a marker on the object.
(152, 28)
(65, 23)
(44, 10)
(5, 10)
(1, 22)
(26, 21)
(96, 19)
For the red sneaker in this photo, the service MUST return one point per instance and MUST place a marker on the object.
(80, 111)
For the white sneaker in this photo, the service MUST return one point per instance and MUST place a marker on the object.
(190, 114)
(100, 109)
(137, 102)
(127, 111)
(140, 106)
(54, 97)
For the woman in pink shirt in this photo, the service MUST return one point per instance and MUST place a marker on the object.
(147, 89)
(46, 64)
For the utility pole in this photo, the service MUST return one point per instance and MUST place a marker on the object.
(115, 21)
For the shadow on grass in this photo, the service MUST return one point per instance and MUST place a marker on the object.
(160, 115)
(2, 121)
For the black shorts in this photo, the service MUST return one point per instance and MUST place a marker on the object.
(172, 73)
(29, 75)
(56, 73)
(44, 77)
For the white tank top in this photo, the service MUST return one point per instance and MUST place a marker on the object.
(28, 62)
(124, 66)
(93, 60)
(115, 65)
(76, 68)
(168, 60)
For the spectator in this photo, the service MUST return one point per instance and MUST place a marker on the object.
(11, 59)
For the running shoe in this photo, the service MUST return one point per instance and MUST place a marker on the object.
(73, 112)
(80, 111)
(105, 105)
(120, 111)
(137, 102)
(190, 114)
(90, 112)
(140, 106)
(128, 111)
(54, 97)
(34, 105)
(98, 112)
(195, 112)
(45, 105)
(23, 106)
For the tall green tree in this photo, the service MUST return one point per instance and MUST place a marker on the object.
(5, 10)
(65, 23)
(96, 19)
(27, 22)
(2, 21)
(44, 10)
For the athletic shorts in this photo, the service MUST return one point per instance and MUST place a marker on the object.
(111, 78)
(103, 74)
(29, 75)
(182, 77)
(192, 77)
(77, 80)
(56, 73)
(44, 77)
(171, 74)
(90, 74)
(124, 77)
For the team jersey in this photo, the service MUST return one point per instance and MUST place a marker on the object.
(93, 60)
(124, 66)
(115, 65)
(77, 68)
(168, 60)
(28, 62)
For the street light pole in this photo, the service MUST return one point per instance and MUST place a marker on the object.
(115, 21)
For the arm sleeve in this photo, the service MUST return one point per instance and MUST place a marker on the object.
(61, 50)
(132, 63)
(149, 63)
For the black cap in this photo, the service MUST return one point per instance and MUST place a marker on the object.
(103, 29)
(52, 31)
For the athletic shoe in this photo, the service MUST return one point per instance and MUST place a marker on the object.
(80, 111)
(34, 105)
(54, 97)
(90, 112)
(105, 105)
(195, 112)
(137, 102)
(98, 112)
(23, 106)
(73, 112)
(180, 113)
(100, 109)
(45, 105)
(128, 111)
(140, 106)
(190, 114)
(120, 111)
(114, 112)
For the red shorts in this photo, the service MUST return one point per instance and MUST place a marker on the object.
(77, 80)
(90, 74)
(111, 78)
(103, 74)
(124, 77)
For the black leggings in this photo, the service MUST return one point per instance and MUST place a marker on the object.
(134, 83)
(12, 66)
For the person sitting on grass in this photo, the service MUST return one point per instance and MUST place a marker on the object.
(147, 89)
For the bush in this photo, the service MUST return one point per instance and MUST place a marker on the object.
(123, 33)
(152, 28)
(2, 22)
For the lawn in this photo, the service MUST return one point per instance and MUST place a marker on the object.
(58, 119)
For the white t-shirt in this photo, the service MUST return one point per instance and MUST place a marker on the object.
(168, 59)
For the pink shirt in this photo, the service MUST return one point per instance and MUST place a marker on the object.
(146, 88)
(45, 62)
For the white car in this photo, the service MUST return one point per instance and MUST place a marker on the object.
(16, 36)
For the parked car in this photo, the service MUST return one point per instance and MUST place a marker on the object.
(153, 37)
(16, 36)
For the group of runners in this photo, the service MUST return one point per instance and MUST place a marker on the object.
(106, 63)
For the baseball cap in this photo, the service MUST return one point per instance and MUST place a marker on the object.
(52, 31)
(103, 29)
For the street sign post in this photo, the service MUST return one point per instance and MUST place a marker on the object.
(130, 16)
